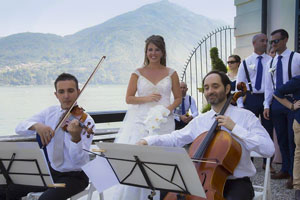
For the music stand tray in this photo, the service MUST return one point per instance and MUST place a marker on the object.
(153, 167)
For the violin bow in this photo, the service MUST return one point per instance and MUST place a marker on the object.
(67, 113)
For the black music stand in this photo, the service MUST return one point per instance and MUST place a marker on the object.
(155, 168)
(23, 163)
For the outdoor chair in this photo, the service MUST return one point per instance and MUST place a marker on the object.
(263, 192)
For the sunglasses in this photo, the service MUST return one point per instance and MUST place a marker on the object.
(231, 62)
(276, 41)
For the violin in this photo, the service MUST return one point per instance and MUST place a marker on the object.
(79, 114)
(216, 154)
(76, 112)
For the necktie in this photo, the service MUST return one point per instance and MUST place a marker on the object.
(279, 78)
(182, 107)
(58, 147)
(259, 74)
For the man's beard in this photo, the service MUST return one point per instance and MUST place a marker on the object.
(218, 98)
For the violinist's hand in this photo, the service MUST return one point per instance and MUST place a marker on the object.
(45, 132)
(142, 142)
(75, 130)
(225, 121)
(153, 97)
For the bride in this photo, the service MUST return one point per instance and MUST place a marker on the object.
(148, 87)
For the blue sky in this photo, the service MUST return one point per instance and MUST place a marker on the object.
(63, 17)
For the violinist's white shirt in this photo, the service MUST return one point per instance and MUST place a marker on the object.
(74, 155)
(248, 131)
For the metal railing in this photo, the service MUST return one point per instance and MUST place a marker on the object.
(100, 134)
(198, 63)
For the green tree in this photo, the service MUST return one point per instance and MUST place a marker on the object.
(217, 64)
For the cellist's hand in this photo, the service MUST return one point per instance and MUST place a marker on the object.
(142, 142)
(225, 121)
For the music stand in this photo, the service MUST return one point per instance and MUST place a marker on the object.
(23, 163)
(153, 167)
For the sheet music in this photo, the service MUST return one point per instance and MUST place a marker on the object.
(29, 151)
(154, 156)
(100, 174)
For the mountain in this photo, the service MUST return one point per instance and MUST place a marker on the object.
(35, 58)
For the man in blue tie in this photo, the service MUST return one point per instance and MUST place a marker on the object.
(181, 113)
(282, 68)
(252, 72)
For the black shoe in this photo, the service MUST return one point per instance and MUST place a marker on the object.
(280, 175)
(289, 183)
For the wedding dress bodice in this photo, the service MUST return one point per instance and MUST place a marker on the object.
(164, 87)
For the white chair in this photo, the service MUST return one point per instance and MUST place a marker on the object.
(263, 192)
(89, 192)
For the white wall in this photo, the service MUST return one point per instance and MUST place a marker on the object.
(281, 14)
(247, 23)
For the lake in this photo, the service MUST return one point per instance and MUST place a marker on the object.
(20, 102)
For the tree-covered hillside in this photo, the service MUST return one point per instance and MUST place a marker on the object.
(35, 58)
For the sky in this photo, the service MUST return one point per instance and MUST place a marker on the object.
(64, 17)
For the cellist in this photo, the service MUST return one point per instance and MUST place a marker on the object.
(242, 124)
(64, 148)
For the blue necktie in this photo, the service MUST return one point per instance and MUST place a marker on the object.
(279, 78)
(259, 74)
(182, 107)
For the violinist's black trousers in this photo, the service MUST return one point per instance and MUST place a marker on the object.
(238, 189)
(75, 183)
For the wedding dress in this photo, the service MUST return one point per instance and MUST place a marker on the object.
(134, 129)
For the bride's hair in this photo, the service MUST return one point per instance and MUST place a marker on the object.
(158, 41)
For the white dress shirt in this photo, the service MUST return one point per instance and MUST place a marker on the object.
(178, 111)
(295, 68)
(252, 63)
(74, 155)
(248, 131)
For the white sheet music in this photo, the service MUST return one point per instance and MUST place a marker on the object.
(152, 156)
(100, 174)
(27, 151)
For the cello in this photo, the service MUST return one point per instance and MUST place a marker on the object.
(216, 154)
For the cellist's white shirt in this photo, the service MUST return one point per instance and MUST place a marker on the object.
(248, 131)
(74, 155)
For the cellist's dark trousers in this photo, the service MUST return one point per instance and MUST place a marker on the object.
(239, 189)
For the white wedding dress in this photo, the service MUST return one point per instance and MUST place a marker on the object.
(133, 128)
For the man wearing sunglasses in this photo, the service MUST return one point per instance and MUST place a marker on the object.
(284, 66)
(252, 72)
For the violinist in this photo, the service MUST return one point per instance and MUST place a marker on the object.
(243, 126)
(64, 148)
